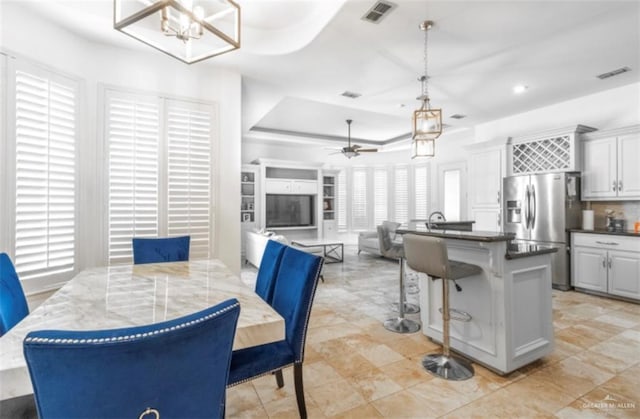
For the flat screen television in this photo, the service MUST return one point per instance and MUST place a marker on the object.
(290, 210)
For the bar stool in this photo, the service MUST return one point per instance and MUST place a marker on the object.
(396, 251)
(429, 255)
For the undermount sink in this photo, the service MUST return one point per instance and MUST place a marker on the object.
(451, 225)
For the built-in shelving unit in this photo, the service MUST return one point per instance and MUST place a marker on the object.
(328, 197)
(248, 197)
(329, 194)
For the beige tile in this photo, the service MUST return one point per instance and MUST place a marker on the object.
(536, 393)
(379, 354)
(618, 347)
(288, 408)
(579, 410)
(403, 405)
(336, 397)
(603, 361)
(496, 378)
(322, 334)
(607, 401)
(407, 372)
(438, 398)
(268, 390)
(374, 385)
(241, 398)
(472, 389)
(498, 404)
(408, 347)
(574, 376)
(620, 318)
(362, 412)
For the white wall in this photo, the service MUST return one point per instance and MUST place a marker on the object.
(31, 37)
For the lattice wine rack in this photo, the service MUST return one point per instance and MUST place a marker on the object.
(554, 152)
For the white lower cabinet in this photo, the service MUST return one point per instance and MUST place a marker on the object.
(606, 264)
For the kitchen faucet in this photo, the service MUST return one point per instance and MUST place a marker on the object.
(439, 214)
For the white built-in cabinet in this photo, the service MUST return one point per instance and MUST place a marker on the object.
(485, 188)
(606, 264)
(249, 202)
(610, 165)
(329, 202)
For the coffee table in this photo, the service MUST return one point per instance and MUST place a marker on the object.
(333, 251)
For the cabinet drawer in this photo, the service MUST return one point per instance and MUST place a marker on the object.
(607, 241)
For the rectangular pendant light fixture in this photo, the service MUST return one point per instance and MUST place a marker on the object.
(189, 30)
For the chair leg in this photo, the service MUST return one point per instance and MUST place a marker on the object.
(279, 378)
(400, 324)
(297, 378)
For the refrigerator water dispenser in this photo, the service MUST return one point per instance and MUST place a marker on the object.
(514, 212)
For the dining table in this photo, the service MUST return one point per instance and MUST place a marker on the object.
(122, 296)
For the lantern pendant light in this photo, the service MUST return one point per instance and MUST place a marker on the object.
(427, 122)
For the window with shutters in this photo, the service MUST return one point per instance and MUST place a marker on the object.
(160, 171)
(380, 195)
(421, 191)
(359, 220)
(44, 109)
(189, 175)
(133, 137)
(342, 201)
(401, 194)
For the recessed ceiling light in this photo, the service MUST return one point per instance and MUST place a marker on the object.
(520, 88)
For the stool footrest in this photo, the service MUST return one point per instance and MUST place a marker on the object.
(458, 315)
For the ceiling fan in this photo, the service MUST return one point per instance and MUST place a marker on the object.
(354, 150)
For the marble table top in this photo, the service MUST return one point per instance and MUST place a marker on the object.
(134, 295)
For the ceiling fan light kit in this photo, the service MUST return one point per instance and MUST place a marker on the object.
(189, 30)
(354, 150)
(427, 122)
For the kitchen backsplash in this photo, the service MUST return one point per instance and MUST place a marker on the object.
(629, 209)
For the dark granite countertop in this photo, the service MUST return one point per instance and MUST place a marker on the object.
(516, 250)
(478, 236)
(604, 231)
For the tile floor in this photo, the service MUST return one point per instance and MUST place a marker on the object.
(354, 368)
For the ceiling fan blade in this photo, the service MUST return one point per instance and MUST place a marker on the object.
(367, 150)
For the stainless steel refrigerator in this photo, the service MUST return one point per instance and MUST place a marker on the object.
(539, 209)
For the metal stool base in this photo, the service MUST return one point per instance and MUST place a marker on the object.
(408, 308)
(401, 325)
(448, 367)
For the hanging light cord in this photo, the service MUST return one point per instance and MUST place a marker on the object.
(425, 87)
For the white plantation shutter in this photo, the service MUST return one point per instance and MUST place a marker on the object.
(401, 195)
(342, 201)
(359, 220)
(133, 143)
(421, 191)
(189, 174)
(380, 187)
(45, 174)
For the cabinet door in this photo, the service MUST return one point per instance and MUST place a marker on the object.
(306, 187)
(599, 177)
(624, 273)
(589, 268)
(277, 186)
(485, 178)
(628, 167)
(486, 219)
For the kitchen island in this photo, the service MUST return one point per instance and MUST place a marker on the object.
(505, 313)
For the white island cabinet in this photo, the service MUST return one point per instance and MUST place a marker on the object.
(508, 305)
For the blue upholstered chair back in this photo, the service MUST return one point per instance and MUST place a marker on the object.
(13, 304)
(269, 266)
(165, 249)
(179, 367)
(293, 295)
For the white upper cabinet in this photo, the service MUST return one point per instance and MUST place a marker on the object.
(610, 164)
(485, 178)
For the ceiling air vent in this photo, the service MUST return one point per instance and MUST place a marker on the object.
(351, 95)
(613, 73)
(457, 116)
(379, 10)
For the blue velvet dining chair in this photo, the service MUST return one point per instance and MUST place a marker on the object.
(160, 249)
(175, 369)
(13, 304)
(295, 288)
(266, 280)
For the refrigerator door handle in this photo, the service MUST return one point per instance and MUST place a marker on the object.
(527, 208)
(535, 204)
